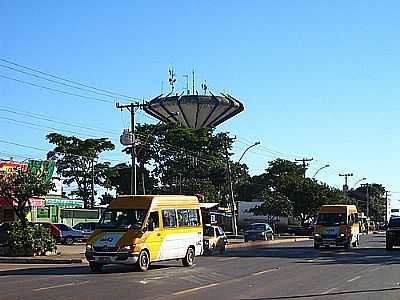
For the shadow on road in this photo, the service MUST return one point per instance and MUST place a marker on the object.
(394, 289)
(78, 270)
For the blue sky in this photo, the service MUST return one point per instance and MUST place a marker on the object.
(318, 78)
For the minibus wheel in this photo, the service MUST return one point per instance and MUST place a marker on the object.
(143, 261)
(188, 260)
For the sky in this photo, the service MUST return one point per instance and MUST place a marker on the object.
(318, 79)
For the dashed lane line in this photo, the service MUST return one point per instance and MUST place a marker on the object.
(195, 289)
(265, 271)
(226, 259)
(58, 286)
(353, 279)
(328, 291)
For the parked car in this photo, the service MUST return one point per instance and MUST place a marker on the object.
(301, 230)
(258, 231)
(3, 235)
(393, 233)
(54, 230)
(214, 239)
(68, 234)
(87, 228)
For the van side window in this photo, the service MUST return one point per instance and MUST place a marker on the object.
(183, 217)
(194, 217)
(168, 218)
(154, 220)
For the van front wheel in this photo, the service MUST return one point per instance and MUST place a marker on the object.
(143, 261)
(188, 260)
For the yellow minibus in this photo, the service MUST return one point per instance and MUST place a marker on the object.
(139, 230)
(337, 225)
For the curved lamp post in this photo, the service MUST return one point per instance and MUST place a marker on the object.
(247, 149)
(326, 166)
(358, 181)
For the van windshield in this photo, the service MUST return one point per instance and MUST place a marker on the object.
(331, 219)
(123, 218)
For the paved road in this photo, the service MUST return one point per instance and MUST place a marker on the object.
(284, 271)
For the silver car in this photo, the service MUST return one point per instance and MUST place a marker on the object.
(68, 234)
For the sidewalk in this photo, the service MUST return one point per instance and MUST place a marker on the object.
(74, 254)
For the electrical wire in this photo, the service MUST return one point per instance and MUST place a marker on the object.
(68, 80)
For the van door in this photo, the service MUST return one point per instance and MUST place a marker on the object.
(170, 239)
(154, 237)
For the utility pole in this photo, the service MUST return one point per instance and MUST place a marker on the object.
(231, 197)
(367, 197)
(345, 186)
(132, 109)
(92, 183)
(386, 207)
(305, 164)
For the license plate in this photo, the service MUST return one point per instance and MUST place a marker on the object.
(104, 259)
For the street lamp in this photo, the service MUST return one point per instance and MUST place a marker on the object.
(358, 181)
(232, 198)
(247, 149)
(326, 166)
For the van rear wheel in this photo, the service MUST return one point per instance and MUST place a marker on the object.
(188, 260)
(95, 267)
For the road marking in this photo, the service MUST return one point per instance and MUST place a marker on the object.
(352, 279)
(265, 271)
(328, 291)
(374, 269)
(53, 287)
(229, 258)
(195, 289)
(59, 286)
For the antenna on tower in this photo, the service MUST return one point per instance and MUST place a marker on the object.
(204, 87)
(193, 80)
(172, 79)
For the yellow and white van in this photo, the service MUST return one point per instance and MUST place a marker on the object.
(140, 230)
(337, 225)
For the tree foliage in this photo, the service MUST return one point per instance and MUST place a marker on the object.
(17, 187)
(77, 162)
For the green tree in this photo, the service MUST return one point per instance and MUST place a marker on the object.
(77, 162)
(377, 200)
(274, 204)
(178, 159)
(17, 187)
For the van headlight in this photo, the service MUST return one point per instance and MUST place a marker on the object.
(342, 235)
(316, 235)
(125, 248)
(89, 247)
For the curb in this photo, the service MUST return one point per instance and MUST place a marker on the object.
(266, 243)
(31, 260)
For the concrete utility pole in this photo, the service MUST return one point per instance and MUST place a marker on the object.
(305, 164)
(345, 186)
(132, 109)
(231, 196)
(367, 197)
(92, 183)
(386, 207)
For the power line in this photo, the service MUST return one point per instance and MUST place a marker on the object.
(68, 80)
(61, 122)
(56, 90)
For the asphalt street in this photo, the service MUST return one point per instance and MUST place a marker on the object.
(283, 271)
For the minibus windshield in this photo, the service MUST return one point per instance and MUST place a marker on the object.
(123, 218)
(331, 219)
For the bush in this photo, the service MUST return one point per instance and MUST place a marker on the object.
(29, 241)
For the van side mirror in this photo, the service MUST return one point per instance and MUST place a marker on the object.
(150, 226)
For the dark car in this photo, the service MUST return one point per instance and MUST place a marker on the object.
(393, 233)
(300, 230)
(55, 232)
(258, 231)
(87, 228)
(68, 234)
(4, 235)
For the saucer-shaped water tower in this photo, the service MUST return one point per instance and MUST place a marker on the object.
(194, 111)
